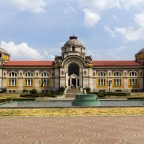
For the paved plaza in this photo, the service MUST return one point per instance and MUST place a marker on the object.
(72, 130)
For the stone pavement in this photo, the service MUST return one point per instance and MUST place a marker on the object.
(72, 130)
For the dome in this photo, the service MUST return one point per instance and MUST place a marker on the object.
(141, 51)
(73, 41)
(3, 51)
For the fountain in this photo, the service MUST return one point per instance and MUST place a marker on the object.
(86, 100)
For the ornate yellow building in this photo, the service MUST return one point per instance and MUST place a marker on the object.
(72, 69)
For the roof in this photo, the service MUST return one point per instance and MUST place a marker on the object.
(29, 63)
(73, 41)
(50, 63)
(116, 63)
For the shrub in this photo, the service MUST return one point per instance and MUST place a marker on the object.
(88, 89)
(61, 89)
(24, 91)
(29, 95)
(33, 91)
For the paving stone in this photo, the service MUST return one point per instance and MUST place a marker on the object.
(72, 130)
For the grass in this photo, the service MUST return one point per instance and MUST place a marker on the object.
(73, 112)
(9, 95)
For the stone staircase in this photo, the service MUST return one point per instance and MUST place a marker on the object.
(72, 93)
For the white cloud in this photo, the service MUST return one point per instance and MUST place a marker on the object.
(20, 51)
(122, 47)
(70, 10)
(112, 33)
(91, 18)
(130, 33)
(131, 3)
(139, 19)
(98, 4)
(35, 6)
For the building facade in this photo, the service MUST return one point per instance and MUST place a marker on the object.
(72, 69)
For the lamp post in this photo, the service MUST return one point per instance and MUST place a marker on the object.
(109, 84)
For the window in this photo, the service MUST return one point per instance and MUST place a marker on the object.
(20, 74)
(4, 74)
(12, 74)
(29, 74)
(101, 74)
(62, 72)
(133, 81)
(73, 48)
(45, 79)
(28, 82)
(133, 74)
(12, 79)
(101, 82)
(45, 82)
(109, 73)
(12, 82)
(133, 78)
(117, 74)
(117, 82)
(29, 79)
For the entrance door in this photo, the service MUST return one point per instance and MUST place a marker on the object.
(73, 75)
(74, 82)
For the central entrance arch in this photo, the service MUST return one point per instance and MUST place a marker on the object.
(73, 73)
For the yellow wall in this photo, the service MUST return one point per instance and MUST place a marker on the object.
(5, 57)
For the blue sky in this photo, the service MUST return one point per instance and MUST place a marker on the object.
(37, 29)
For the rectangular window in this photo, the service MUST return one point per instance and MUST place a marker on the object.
(28, 82)
(45, 82)
(133, 82)
(117, 82)
(12, 82)
(101, 82)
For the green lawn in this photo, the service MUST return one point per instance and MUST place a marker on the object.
(73, 112)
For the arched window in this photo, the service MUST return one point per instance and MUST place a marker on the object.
(29, 74)
(12, 78)
(44, 79)
(73, 48)
(73, 69)
(0, 55)
(13, 74)
(28, 78)
(101, 74)
(133, 74)
(109, 73)
(85, 72)
(117, 74)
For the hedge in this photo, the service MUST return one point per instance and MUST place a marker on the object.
(103, 94)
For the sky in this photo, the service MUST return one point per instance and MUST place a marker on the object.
(37, 29)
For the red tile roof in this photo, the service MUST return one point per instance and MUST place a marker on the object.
(29, 63)
(50, 63)
(116, 63)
